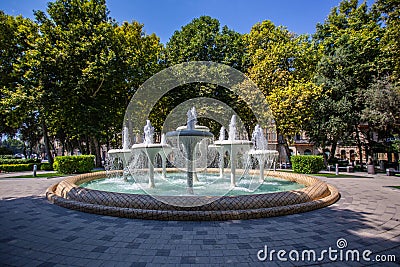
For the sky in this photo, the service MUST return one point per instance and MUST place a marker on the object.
(164, 17)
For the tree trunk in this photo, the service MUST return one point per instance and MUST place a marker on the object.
(63, 148)
(324, 156)
(333, 150)
(359, 145)
(96, 151)
(368, 150)
(88, 151)
(47, 143)
(24, 151)
(287, 150)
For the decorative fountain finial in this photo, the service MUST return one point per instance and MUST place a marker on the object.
(232, 129)
(191, 118)
(222, 134)
(125, 138)
(163, 141)
(148, 133)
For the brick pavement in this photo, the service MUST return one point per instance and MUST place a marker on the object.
(36, 233)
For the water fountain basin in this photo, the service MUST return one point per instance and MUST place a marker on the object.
(315, 195)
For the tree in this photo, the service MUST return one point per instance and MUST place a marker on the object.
(350, 39)
(389, 61)
(203, 40)
(16, 35)
(78, 73)
(291, 106)
(282, 64)
(382, 113)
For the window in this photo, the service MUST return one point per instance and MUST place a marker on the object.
(307, 152)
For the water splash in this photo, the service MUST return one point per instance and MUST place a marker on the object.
(232, 129)
(191, 119)
(125, 138)
(222, 134)
(163, 141)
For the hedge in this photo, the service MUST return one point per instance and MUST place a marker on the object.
(5, 151)
(19, 161)
(16, 167)
(46, 167)
(73, 164)
(7, 157)
(307, 164)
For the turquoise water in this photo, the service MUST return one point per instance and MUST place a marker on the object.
(208, 185)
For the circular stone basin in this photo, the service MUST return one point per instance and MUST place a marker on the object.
(316, 194)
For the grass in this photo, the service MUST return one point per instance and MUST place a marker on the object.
(42, 175)
(341, 175)
(331, 175)
(49, 174)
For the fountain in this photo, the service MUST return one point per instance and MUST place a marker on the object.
(152, 150)
(285, 193)
(125, 153)
(221, 152)
(260, 150)
(189, 138)
(233, 146)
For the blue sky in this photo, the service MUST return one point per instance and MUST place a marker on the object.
(163, 17)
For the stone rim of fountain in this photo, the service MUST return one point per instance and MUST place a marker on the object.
(317, 194)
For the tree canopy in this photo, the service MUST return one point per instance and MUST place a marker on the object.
(68, 75)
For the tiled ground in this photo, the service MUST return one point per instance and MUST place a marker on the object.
(36, 233)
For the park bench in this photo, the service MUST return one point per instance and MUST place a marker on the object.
(345, 168)
(391, 172)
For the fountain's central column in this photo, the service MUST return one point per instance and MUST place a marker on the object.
(189, 138)
(190, 146)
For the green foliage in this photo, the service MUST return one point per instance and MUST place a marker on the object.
(74, 80)
(382, 100)
(282, 65)
(70, 74)
(16, 167)
(13, 144)
(203, 40)
(4, 151)
(389, 60)
(74, 164)
(46, 166)
(349, 38)
(7, 156)
(19, 161)
(292, 106)
(307, 164)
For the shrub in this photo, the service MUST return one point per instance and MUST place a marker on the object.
(7, 156)
(74, 164)
(19, 161)
(307, 164)
(5, 151)
(46, 167)
(16, 167)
